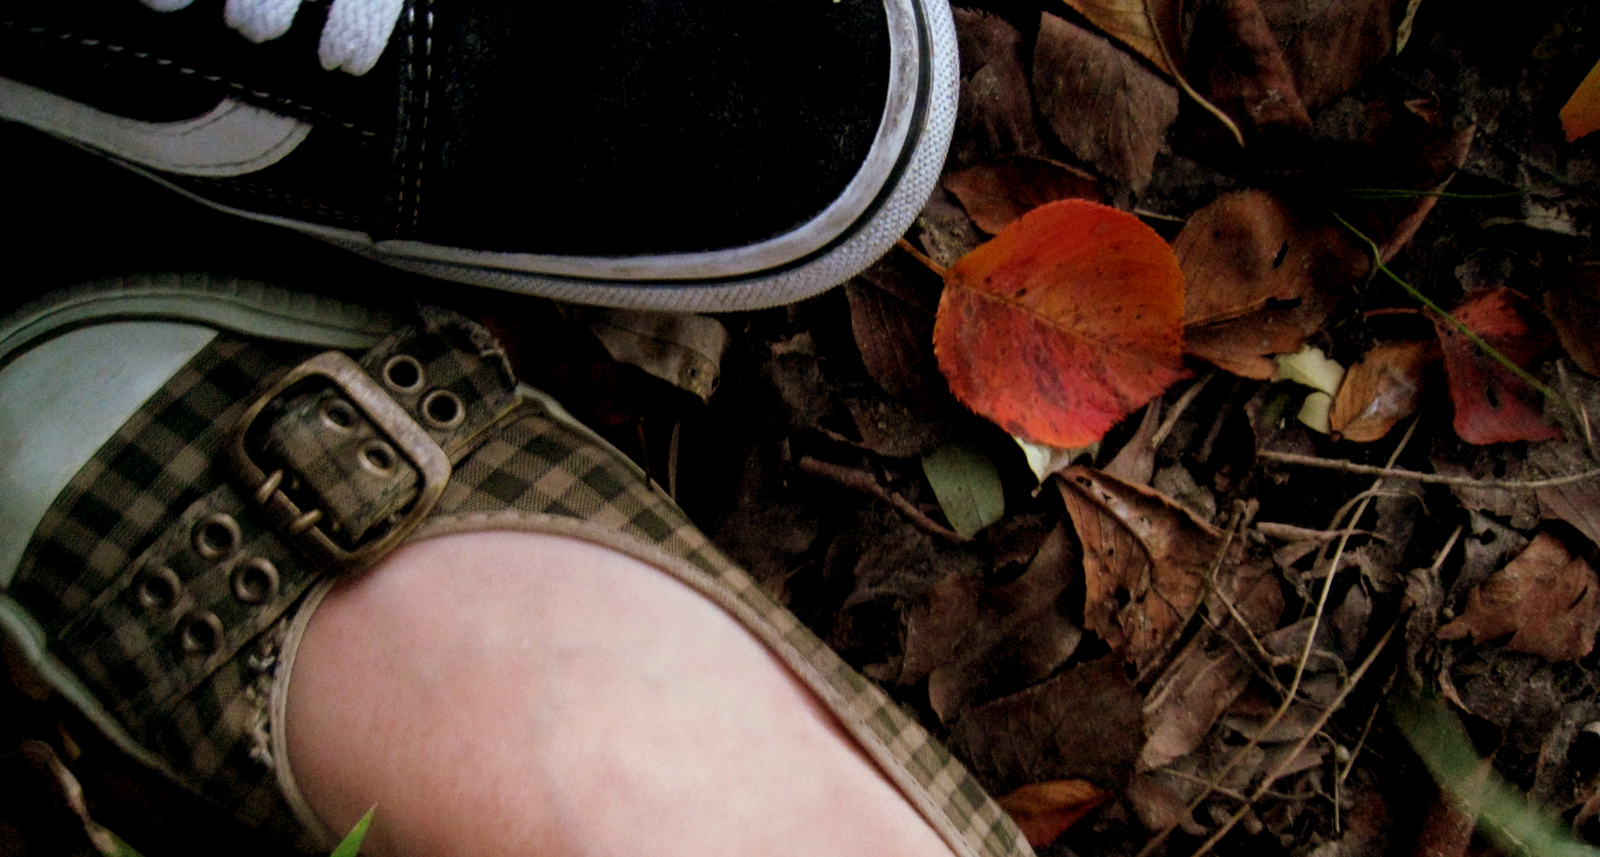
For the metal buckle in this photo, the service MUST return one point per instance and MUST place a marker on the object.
(301, 525)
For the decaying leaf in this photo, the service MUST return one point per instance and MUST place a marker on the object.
(1580, 116)
(1381, 390)
(1546, 599)
(1331, 44)
(1082, 724)
(1105, 106)
(1044, 811)
(1412, 145)
(1575, 313)
(997, 193)
(1063, 324)
(891, 317)
(1577, 503)
(1261, 279)
(1020, 636)
(1190, 697)
(683, 349)
(1146, 561)
(994, 116)
(1492, 404)
(1148, 26)
(1236, 62)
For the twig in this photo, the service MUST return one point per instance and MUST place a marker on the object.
(1300, 667)
(1430, 478)
(1178, 407)
(1316, 728)
(865, 483)
(927, 262)
(1166, 56)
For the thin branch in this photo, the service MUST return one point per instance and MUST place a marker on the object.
(865, 483)
(1430, 478)
(925, 259)
(1172, 66)
(1178, 407)
(1316, 728)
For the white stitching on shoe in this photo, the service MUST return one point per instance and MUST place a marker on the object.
(353, 37)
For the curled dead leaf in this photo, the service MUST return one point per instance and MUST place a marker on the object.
(1381, 390)
(1261, 278)
(1045, 810)
(1546, 599)
(1150, 27)
(1062, 325)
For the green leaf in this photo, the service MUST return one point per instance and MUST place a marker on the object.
(967, 484)
(351, 846)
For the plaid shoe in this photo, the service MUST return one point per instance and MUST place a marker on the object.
(706, 155)
(223, 458)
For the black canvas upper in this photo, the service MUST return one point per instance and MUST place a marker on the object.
(609, 127)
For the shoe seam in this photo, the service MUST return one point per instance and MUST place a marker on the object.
(292, 200)
(280, 102)
(411, 149)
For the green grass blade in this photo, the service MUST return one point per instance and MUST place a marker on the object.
(351, 846)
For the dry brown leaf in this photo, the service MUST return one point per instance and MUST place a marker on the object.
(1261, 279)
(997, 193)
(1331, 44)
(1083, 724)
(1150, 27)
(1020, 635)
(1577, 503)
(1235, 61)
(1546, 599)
(1189, 698)
(1381, 390)
(1045, 810)
(1412, 146)
(1105, 106)
(892, 320)
(994, 116)
(1574, 311)
(1158, 806)
(1145, 564)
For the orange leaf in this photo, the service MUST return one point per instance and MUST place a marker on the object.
(1062, 325)
(1045, 810)
(1581, 114)
(1492, 404)
(1381, 390)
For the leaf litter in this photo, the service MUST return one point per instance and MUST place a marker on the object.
(1188, 639)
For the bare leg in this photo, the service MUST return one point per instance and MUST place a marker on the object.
(509, 693)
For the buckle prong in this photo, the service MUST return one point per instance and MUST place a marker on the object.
(403, 433)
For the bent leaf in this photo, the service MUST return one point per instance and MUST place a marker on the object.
(1064, 324)
(1546, 599)
(1492, 404)
(1152, 31)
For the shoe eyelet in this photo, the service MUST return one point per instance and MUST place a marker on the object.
(378, 457)
(157, 589)
(442, 409)
(403, 374)
(216, 537)
(200, 634)
(255, 581)
(337, 414)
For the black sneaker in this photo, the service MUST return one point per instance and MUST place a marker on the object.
(671, 154)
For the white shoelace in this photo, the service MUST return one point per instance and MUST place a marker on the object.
(352, 39)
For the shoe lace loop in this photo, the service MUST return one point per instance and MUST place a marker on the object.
(352, 39)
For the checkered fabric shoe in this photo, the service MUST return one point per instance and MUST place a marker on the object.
(665, 154)
(228, 449)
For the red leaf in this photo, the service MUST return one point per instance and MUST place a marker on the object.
(1065, 323)
(1044, 811)
(1492, 404)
